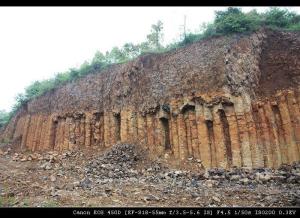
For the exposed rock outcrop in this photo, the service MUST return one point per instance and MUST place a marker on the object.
(228, 101)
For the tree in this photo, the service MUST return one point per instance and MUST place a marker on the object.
(233, 20)
(61, 78)
(116, 55)
(98, 61)
(282, 18)
(85, 68)
(74, 73)
(33, 90)
(156, 36)
(131, 51)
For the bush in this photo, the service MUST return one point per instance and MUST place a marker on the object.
(280, 18)
(4, 118)
(294, 27)
(233, 20)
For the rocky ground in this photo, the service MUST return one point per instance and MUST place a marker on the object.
(123, 175)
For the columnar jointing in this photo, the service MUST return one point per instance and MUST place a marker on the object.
(219, 134)
(227, 101)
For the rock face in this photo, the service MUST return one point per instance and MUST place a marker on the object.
(228, 101)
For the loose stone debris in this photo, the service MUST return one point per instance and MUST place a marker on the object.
(124, 175)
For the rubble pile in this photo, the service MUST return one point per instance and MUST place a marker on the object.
(118, 162)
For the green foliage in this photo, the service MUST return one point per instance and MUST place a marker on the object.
(294, 27)
(7, 201)
(116, 55)
(232, 20)
(6, 141)
(61, 78)
(280, 18)
(154, 39)
(4, 118)
(50, 203)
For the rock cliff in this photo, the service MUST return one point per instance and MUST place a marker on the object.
(227, 101)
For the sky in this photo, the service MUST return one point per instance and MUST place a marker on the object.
(37, 42)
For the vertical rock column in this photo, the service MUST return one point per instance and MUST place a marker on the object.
(19, 128)
(194, 134)
(234, 136)
(274, 138)
(182, 137)
(150, 133)
(188, 132)
(77, 129)
(60, 135)
(25, 132)
(124, 125)
(210, 131)
(204, 148)
(221, 156)
(268, 153)
(256, 149)
(82, 131)
(43, 131)
(88, 129)
(67, 133)
(280, 132)
(31, 132)
(113, 128)
(243, 132)
(37, 134)
(132, 127)
(49, 133)
(295, 117)
(142, 133)
(174, 129)
(292, 148)
(107, 129)
(72, 132)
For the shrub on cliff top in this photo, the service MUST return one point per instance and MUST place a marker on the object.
(233, 20)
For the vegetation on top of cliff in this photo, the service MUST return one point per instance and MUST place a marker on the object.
(233, 20)
(4, 118)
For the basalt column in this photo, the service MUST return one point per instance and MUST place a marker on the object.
(222, 138)
(174, 129)
(164, 131)
(204, 143)
(25, 132)
(107, 128)
(88, 129)
(274, 138)
(150, 132)
(255, 145)
(182, 137)
(194, 133)
(292, 148)
(142, 131)
(295, 117)
(124, 126)
(234, 135)
(211, 137)
(280, 132)
(243, 132)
